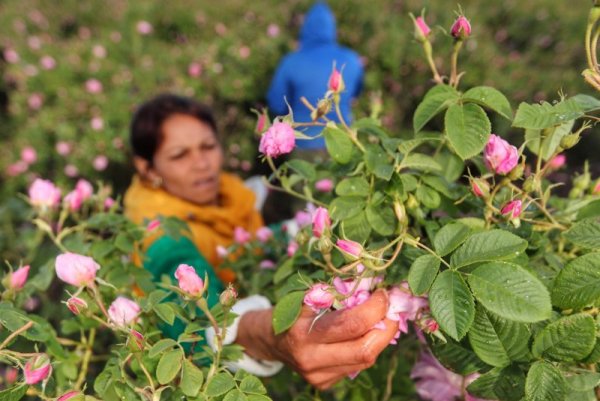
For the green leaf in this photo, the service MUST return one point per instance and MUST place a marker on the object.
(460, 359)
(422, 273)
(546, 115)
(338, 143)
(357, 227)
(13, 393)
(449, 237)
(583, 381)
(467, 128)
(594, 356)
(304, 168)
(452, 304)
(381, 219)
(499, 384)
(165, 312)
(220, 384)
(490, 98)
(578, 283)
(568, 339)
(428, 197)
(419, 161)
(378, 162)
(498, 341)
(592, 209)
(440, 184)
(169, 365)
(544, 383)
(191, 379)
(549, 138)
(408, 145)
(258, 397)
(161, 346)
(235, 395)
(252, 385)
(354, 186)
(488, 246)
(586, 103)
(287, 311)
(585, 233)
(124, 242)
(283, 271)
(511, 292)
(436, 99)
(346, 206)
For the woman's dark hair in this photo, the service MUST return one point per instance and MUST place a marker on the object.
(145, 133)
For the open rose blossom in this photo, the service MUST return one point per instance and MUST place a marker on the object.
(319, 297)
(320, 222)
(241, 236)
(189, 281)
(29, 155)
(278, 140)
(37, 368)
(512, 209)
(18, 278)
(264, 234)
(44, 194)
(123, 311)
(404, 306)
(75, 269)
(356, 292)
(500, 156)
(461, 29)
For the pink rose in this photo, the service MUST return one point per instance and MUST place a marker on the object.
(319, 297)
(244, 52)
(71, 170)
(85, 189)
(77, 270)
(99, 51)
(222, 251)
(47, 62)
(76, 305)
(512, 209)
(18, 278)
(189, 281)
(135, 342)
(108, 203)
(29, 155)
(273, 30)
(144, 28)
(320, 222)
(355, 291)
(44, 194)
(35, 101)
(100, 163)
(73, 200)
(596, 189)
(264, 234)
(63, 148)
(422, 30)
(461, 29)
(267, 264)
(68, 395)
(93, 86)
(303, 218)
(241, 236)
(500, 156)
(153, 225)
(194, 69)
(336, 82)
(404, 306)
(292, 248)
(97, 123)
(37, 368)
(278, 140)
(324, 185)
(11, 56)
(123, 311)
(17, 168)
(351, 248)
(557, 161)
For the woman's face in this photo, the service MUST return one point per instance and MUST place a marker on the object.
(189, 159)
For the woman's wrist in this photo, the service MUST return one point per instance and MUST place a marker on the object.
(255, 334)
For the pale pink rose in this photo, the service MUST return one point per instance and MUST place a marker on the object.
(37, 368)
(63, 148)
(34, 42)
(48, 62)
(351, 248)
(144, 28)
(404, 306)
(17, 168)
(324, 185)
(267, 264)
(194, 69)
(93, 86)
(85, 189)
(189, 281)
(11, 56)
(153, 225)
(73, 200)
(320, 222)
(75, 269)
(18, 278)
(500, 156)
(244, 52)
(76, 305)
(303, 218)
(461, 29)
(355, 291)
(71, 170)
(241, 236)
(273, 30)
(68, 395)
(512, 209)
(100, 163)
(44, 194)
(319, 297)
(97, 123)
(222, 251)
(557, 161)
(123, 311)
(292, 248)
(421, 28)
(336, 82)
(278, 140)
(35, 101)
(264, 234)
(99, 51)
(29, 155)
(108, 203)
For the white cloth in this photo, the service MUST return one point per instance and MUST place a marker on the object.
(256, 184)
(250, 365)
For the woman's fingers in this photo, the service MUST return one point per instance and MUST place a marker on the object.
(349, 324)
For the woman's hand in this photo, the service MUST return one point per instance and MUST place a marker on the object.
(339, 343)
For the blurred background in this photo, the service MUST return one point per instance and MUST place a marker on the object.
(73, 72)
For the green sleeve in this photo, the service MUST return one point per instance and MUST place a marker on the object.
(165, 255)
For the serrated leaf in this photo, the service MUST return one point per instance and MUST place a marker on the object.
(568, 339)
(357, 227)
(346, 206)
(452, 304)
(219, 384)
(440, 184)
(488, 246)
(511, 292)
(499, 384)
(252, 385)
(549, 139)
(419, 161)
(13, 393)
(450, 237)
(169, 365)
(235, 395)
(578, 283)
(467, 128)
(378, 162)
(191, 379)
(286, 311)
(583, 381)
(585, 233)
(490, 98)
(354, 186)
(161, 346)
(381, 218)
(305, 169)
(427, 196)
(408, 145)
(546, 115)
(338, 144)
(458, 358)
(587, 103)
(544, 383)
(422, 273)
(498, 341)
(436, 100)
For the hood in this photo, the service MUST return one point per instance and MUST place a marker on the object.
(319, 26)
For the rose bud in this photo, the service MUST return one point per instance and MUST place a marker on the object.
(320, 222)
(319, 297)
(422, 30)
(18, 278)
(324, 185)
(77, 270)
(228, 297)
(351, 248)
(189, 281)
(37, 368)
(153, 225)
(512, 209)
(292, 248)
(278, 140)
(123, 311)
(480, 187)
(500, 156)
(461, 29)
(135, 341)
(336, 82)
(241, 236)
(264, 234)
(76, 305)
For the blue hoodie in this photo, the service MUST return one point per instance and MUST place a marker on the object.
(306, 72)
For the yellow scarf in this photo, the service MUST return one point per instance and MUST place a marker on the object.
(210, 225)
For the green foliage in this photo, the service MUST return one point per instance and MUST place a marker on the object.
(452, 304)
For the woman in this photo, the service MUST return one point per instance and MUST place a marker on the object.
(178, 159)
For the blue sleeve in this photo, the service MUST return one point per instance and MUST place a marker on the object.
(279, 90)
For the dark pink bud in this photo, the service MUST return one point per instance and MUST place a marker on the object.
(336, 82)
(512, 209)
(422, 30)
(461, 29)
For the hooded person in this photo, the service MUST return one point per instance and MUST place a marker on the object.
(306, 72)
